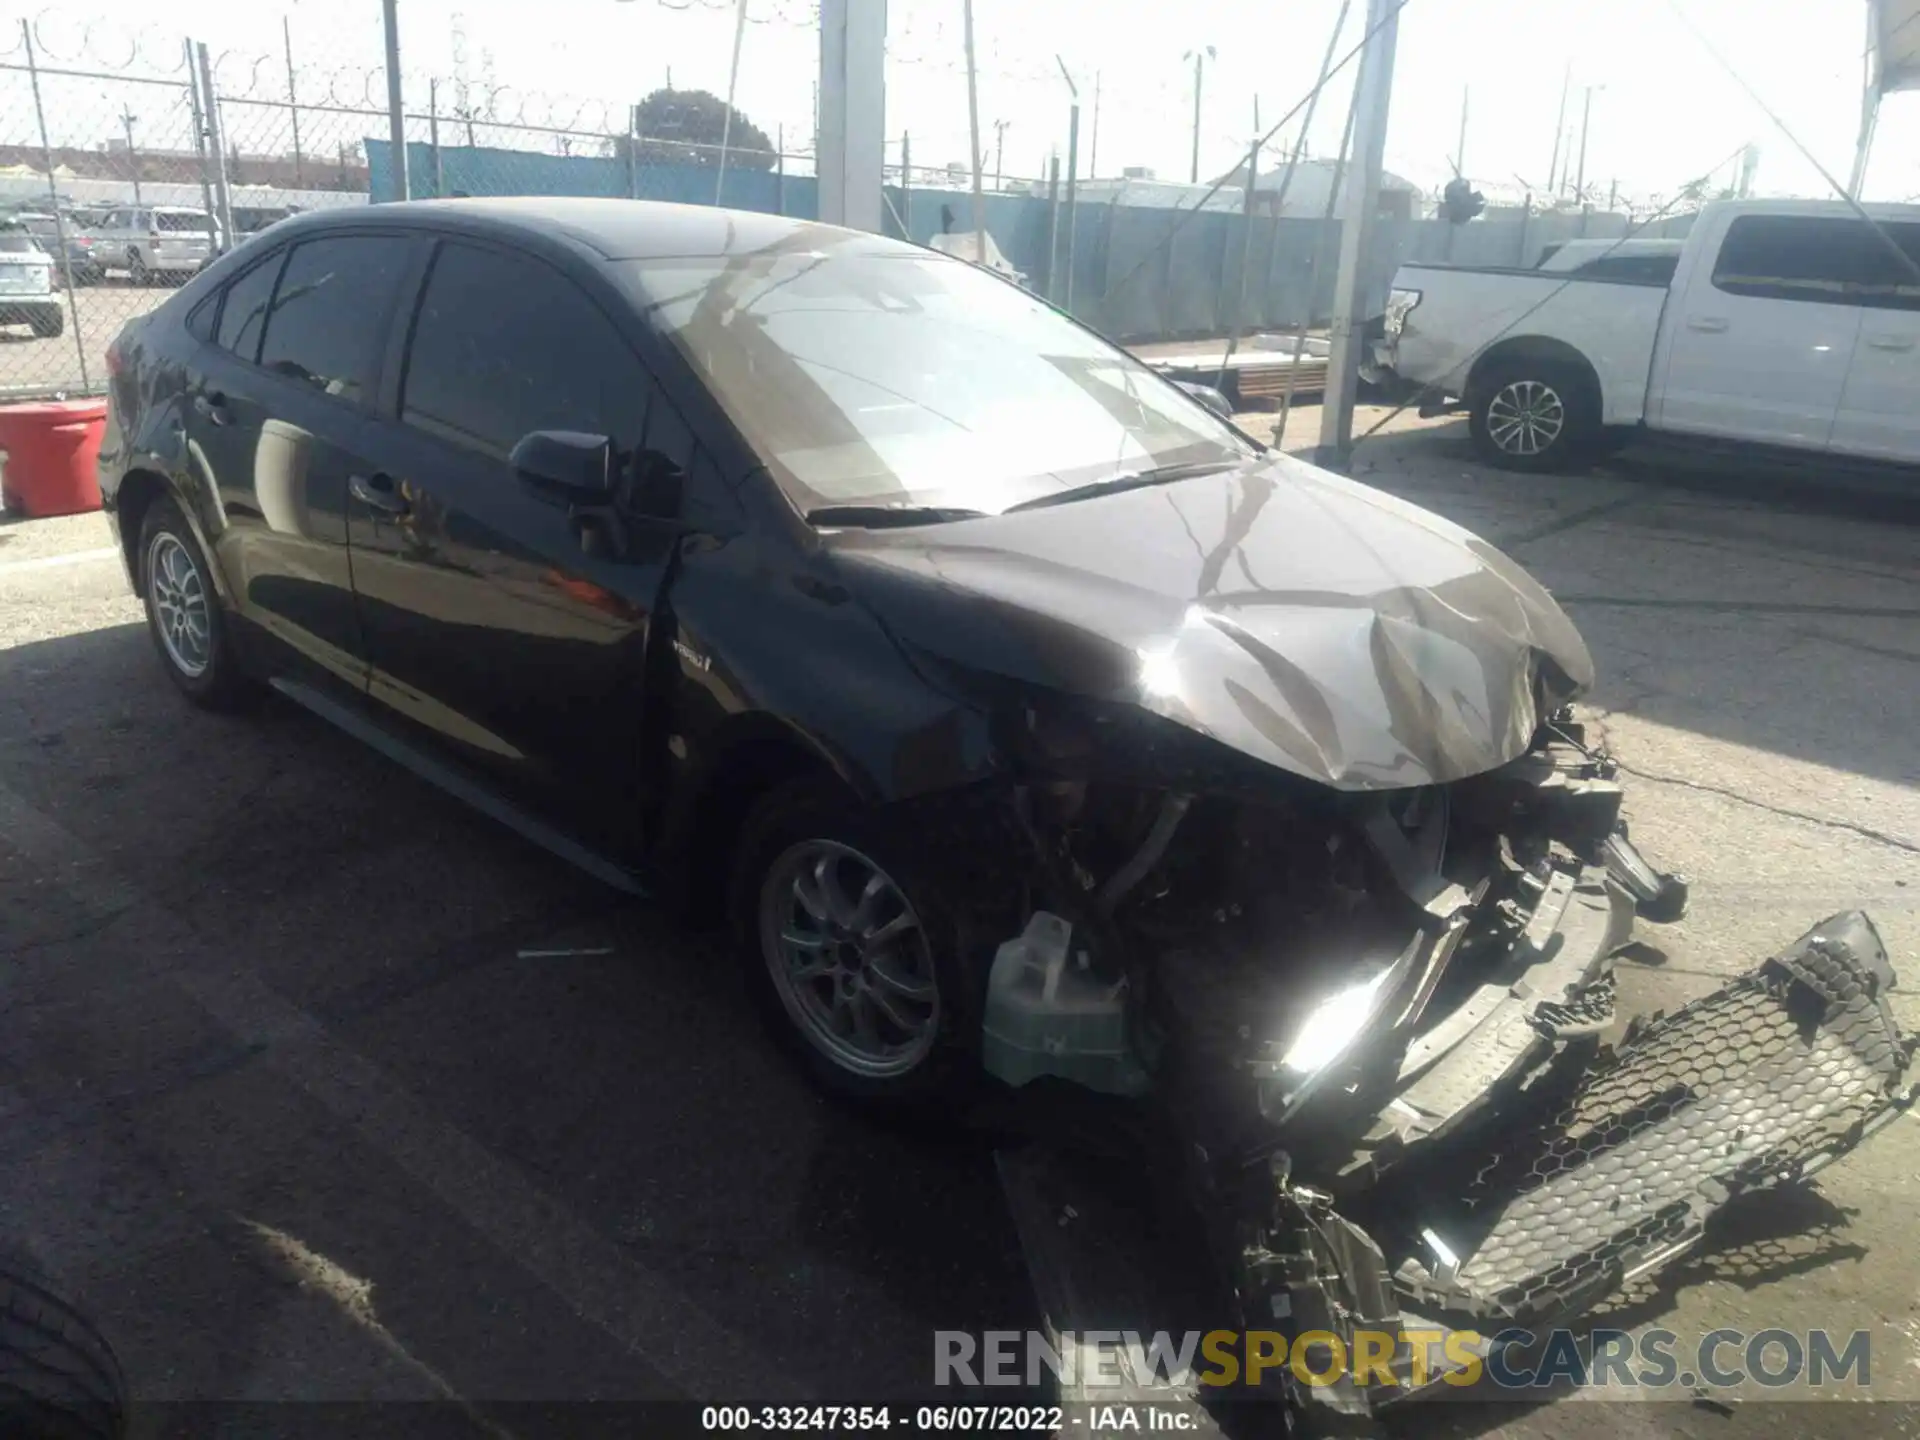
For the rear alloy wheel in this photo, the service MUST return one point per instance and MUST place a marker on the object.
(849, 949)
(1533, 417)
(183, 612)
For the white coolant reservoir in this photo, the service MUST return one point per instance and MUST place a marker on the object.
(1047, 1014)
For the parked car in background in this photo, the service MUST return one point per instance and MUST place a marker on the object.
(1792, 324)
(26, 283)
(74, 230)
(252, 219)
(157, 242)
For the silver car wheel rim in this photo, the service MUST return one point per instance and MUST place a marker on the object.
(849, 959)
(180, 609)
(1526, 418)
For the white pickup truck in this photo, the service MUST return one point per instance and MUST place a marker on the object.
(1786, 323)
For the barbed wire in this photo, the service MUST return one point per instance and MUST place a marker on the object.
(61, 40)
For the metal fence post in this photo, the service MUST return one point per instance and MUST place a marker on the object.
(199, 135)
(780, 172)
(433, 137)
(1053, 226)
(53, 194)
(396, 119)
(217, 146)
(633, 152)
(906, 187)
(293, 105)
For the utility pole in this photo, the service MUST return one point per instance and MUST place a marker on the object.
(1199, 57)
(1586, 124)
(127, 119)
(1559, 132)
(1460, 151)
(733, 81)
(1073, 169)
(1373, 94)
(999, 150)
(1093, 145)
(293, 104)
(973, 140)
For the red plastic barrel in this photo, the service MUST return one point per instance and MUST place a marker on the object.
(52, 456)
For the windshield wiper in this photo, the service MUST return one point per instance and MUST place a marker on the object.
(878, 517)
(1132, 480)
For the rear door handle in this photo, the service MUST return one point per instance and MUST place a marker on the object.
(212, 406)
(1707, 324)
(379, 491)
(1891, 342)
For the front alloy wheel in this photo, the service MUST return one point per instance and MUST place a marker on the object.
(1526, 418)
(849, 959)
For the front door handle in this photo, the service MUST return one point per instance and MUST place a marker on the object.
(212, 407)
(1707, 324)
(1891, 342)
(379, 491)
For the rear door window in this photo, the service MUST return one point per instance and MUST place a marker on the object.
(197, 223)
(330, 313)
(243, 315)
(1829, 260)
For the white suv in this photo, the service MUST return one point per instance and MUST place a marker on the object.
(154, 241)
(26, 284)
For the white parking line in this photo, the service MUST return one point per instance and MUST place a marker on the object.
(51, 562)
(601, 1282)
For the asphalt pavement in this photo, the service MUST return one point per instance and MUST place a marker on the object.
(316, 1086)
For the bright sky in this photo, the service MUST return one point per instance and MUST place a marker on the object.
(1663, 111)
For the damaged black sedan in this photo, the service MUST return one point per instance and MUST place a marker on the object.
(1037, 731)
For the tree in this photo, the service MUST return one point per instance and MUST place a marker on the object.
(684, 127)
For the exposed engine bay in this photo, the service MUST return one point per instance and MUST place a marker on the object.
(1375, 1036)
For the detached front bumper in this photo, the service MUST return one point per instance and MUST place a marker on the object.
(1604, 1174)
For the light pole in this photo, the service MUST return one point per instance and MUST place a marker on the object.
(1199, 58)
(127, 122)
(1073, 169)
(999, 149)
(1586, 123)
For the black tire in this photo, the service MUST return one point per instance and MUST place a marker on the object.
(814, 812)
(137, 271)
(1534, 416)
(49, 326)
(219, 684)
(59, 1379)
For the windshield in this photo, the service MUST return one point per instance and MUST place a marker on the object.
(908, 379)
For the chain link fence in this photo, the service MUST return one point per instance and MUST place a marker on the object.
(126, 159)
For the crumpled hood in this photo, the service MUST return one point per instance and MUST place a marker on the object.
(1309, 621)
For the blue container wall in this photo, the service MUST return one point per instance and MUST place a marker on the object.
(1138, 273)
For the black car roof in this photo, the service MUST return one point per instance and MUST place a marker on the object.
(616, 229)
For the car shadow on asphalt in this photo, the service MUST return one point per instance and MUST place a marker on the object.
(635, 1088)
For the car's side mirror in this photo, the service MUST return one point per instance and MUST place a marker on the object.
(1208, 396)
(565, 465)
(659, 486)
